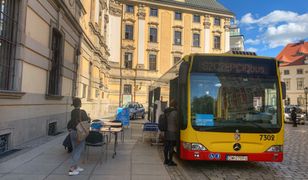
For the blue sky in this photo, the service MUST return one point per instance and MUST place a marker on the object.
(268, 25)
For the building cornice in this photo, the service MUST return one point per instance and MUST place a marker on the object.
(183, 8)
(102, 40)
(115, 8)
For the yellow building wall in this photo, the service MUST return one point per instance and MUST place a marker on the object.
(33, 21)
(33, 74)
(68, 52)
(165, 40)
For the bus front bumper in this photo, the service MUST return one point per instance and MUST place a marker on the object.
(223, 156)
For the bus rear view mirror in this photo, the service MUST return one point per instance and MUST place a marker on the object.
(284, 90)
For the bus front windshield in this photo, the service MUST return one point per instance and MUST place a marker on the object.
(228, 102)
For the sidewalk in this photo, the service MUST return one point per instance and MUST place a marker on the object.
(134, 160)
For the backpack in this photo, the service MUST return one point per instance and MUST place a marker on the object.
(68, 144)
(162, 121)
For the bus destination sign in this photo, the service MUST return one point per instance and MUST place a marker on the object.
(234, 66)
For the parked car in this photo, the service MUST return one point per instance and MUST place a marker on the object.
(136, 110)
(301, 116)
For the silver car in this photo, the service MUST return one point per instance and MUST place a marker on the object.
(301, 116)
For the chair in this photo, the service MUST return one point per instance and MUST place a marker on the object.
(96, 139)
(152, 128)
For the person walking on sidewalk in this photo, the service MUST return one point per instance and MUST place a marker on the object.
(293, 116)
(78, 147)
(171, 133)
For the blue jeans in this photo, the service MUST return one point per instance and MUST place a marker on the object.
(77, 148)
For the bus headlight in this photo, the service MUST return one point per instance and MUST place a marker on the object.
(276, 148)
(194, 146)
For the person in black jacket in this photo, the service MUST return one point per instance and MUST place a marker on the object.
(171, 133)
(77, 115)
(293, 116)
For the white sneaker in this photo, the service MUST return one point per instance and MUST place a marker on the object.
(79, 169)
(73, 173)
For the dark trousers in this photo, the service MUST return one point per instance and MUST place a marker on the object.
(294, 123)
(168, 150)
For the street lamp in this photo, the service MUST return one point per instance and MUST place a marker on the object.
(306, 92)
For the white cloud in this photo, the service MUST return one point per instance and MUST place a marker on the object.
(251, 49)
(248, 19)
(278, 28)
(252, 42)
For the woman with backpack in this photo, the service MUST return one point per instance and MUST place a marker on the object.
(77, 115)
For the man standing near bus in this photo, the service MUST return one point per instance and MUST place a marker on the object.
(171, 133)
(293, 116)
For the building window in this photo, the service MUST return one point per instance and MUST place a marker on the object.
(217, 21)
(286, 72)
(196, 40)
(127, 89)
(177, 16)
(152, 62)
(128, 61)
(153, 12)
(129, 8)
(153, 34)
(216, 42)
(299, 71)
(56, 61)
(177, 37)
(129, 31)
(300, 83)
(300, 100)
(176, 59)
(196, 18)
(287, 81)
(8, 32)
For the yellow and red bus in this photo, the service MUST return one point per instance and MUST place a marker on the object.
(229, 107)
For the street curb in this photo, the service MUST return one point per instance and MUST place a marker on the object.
(180, 166)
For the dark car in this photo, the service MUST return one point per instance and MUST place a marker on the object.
(136, 110)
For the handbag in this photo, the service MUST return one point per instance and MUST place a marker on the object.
(83, 128)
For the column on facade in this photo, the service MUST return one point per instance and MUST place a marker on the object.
(207, 25)
(114, 26)
(227, 34)
(141, 35)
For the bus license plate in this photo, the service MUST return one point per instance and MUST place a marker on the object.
(237, 158)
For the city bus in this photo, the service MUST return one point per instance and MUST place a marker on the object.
(229, 107)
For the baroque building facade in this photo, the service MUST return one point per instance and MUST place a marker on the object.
(93, 72)
(155, 35)
(294, 72)
(50, 52)
(39, 42)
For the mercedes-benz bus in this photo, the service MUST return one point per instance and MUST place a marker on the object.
(229, 107)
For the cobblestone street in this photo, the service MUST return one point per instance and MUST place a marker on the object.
(294, 166)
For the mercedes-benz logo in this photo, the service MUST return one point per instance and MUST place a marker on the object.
(237, 146)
